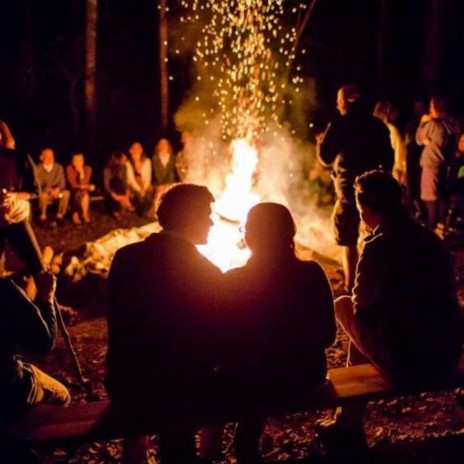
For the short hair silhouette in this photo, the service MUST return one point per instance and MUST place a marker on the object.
(177, 204)
(379, 191)
(351, 93)
(440, 103)
(270, 225)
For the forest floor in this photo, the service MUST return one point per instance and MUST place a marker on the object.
(413, 429)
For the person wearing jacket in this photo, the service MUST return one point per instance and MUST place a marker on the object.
(437, 133)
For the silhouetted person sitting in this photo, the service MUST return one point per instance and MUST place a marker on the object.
(27, 326)
(281, 320)
(18, 185)
(403, 316)
(161, 321)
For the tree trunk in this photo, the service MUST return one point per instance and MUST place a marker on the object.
(164, 89)
(29, 78)
(382, 46)
(433, 41)
(90, 72)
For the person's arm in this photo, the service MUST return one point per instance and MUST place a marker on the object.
(29, 187)
(324, 306)
(370, 277)
(106, 181)
(146, 174)
(61, 180)
(71, 177)
(33, 323)
(422, 132)
(131, 182)
(399, 147)
(87, 175)
(329, 144)
(9, 139)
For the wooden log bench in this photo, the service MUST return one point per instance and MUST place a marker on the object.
(99, 421)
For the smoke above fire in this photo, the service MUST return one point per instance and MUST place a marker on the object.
(245, 109)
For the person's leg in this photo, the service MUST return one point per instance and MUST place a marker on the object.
(137, 201)
(75, 206)
(351, 415)
(345, 434)
(346, 231)
(432, 213)
(350, 257)
(49, 390)
(63, 204)
(43, 205)
(85, 204)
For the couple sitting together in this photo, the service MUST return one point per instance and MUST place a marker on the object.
(187, 341)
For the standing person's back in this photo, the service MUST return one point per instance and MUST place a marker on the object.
(437, 133)
(353, 143)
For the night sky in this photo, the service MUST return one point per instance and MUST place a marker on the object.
(399, 49)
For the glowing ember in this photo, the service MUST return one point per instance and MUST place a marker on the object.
(245, 53)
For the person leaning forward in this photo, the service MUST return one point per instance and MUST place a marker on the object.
(403, 316)
(161, 323)
(29, 326)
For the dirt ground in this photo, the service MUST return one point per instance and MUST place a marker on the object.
(424, 429)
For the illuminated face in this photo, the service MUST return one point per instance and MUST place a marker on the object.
(201, 225)
(341, 103)
(78, 161)
(461, 144)
(163, 146)
(48, 157)
(186, 137)
(368, 216)
(136, 150)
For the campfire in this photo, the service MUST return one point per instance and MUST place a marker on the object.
(240, 150)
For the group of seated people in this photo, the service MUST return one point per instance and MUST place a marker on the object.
(131, 182)
(53, 181)
(185, 340)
